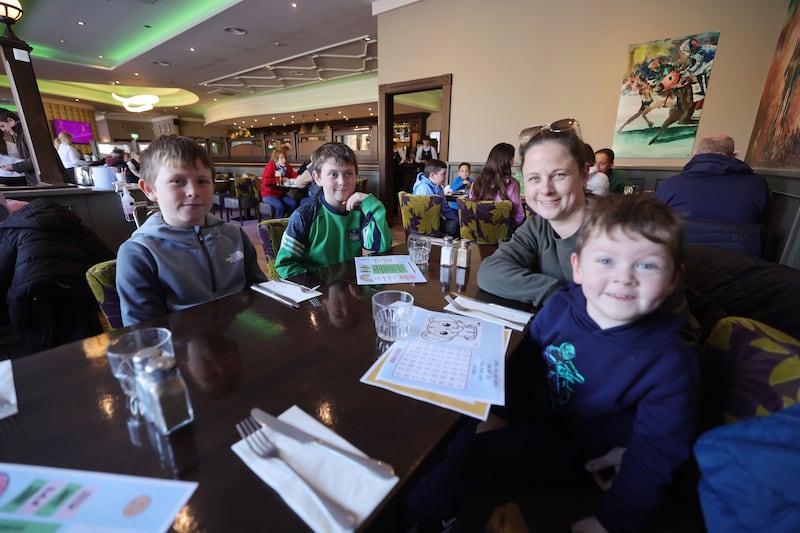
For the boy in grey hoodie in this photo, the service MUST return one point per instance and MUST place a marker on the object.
(181, 256)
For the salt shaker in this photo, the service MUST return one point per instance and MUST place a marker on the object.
(167, 397)
(448, 252)
(462, 257)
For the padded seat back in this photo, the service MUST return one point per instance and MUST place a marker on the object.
(271, 234)
(102, 279)
(485, 222)
(420, 214)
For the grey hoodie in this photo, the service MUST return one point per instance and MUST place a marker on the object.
(162, 268)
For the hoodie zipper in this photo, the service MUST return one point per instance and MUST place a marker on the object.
(202, 241)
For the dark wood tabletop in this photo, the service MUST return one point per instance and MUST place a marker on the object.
(235, 353)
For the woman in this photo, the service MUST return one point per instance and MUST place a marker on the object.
(273, 195)
(495, 181)
(536, 261)
(70, 156)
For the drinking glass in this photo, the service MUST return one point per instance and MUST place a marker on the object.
(392, 312)
(147, 342)
(419, 248)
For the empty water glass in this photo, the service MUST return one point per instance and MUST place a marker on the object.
(392, 312)
(143, 343)
(419, 248)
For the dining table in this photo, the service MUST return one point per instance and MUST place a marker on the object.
(235, 353)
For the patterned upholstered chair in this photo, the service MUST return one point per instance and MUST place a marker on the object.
(222, 189)
(485, 222)
(102, 280)
(271, 233)
(248, 196)
(420, 214)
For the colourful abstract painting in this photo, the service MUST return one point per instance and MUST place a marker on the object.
(775, 141)
(662, 95)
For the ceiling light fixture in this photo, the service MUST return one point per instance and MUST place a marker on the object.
(234, 30)
(10, 12)
(138, 103)
(161, 63)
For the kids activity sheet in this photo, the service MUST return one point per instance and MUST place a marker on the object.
(39, 499)
(446, 356)
(387, 269)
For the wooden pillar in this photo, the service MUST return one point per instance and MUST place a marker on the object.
(17, 62)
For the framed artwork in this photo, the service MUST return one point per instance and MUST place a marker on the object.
(662, 95)
(775, 141)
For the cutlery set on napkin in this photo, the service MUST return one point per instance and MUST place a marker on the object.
(287, 292)
(320, 458)
(8, 395)
(500, 314)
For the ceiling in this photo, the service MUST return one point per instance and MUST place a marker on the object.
(200, 56)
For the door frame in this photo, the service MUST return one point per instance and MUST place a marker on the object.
(386, 94)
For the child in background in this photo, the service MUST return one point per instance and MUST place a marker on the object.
(495, 181)
(271, 193)
(181, 256)
(612, 381)
(461, 182)
(338, 223)
(429, 183)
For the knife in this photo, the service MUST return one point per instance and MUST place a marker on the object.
(377, 467)
(280, 297)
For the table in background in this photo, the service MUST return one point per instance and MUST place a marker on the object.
(238, 352)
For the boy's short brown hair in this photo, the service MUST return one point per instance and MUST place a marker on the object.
(434, 166)
(634, 214)
(172, 150)
(338, 152)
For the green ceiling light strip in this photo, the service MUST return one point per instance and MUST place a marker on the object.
(131, 42)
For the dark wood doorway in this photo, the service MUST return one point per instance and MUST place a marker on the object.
(386, 94)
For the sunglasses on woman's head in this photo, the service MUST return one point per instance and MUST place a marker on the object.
(559, 126)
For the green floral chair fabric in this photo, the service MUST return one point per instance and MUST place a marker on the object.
(248, 196)
(748, 369)
(271, 233)
(484, 222)
(421, 214)
(102, 279)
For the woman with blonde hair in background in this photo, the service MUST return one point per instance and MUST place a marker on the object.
(70, 156)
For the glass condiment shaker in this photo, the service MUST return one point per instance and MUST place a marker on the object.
(448, 252)
(139, 400)
(167, 397)
(462, 256)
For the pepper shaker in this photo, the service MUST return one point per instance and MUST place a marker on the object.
(462, 258)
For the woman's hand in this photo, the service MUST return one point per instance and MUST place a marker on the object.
(612, 459)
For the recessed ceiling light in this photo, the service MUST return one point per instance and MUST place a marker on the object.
(235, 31)
(161, 63)
(294, 5)
(81, 23)
(135, 73)
(62, 41)
(100, 57)
(278, 43)
(367, 38)
(192, 49)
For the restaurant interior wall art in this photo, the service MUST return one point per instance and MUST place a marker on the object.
(662, 95)
(775, 141)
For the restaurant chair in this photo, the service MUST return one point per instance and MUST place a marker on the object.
(221, 190)
(248, 196)
(420, 214)
(361, 185)
(102, 280)
(485, 222)
(143, 212)
(271, 234)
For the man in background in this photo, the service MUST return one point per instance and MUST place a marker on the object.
(717, 187)
(604, 161)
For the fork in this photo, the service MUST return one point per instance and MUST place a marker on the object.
(259, 443)
(490, 316)
(302, 288)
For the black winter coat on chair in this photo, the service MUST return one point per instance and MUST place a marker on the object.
(44, 253)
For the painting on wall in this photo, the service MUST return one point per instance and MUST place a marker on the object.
(662, 95)
(775, 141)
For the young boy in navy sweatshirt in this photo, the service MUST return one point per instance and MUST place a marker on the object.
(615, 382)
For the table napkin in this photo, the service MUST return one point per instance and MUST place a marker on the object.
(501, 312)
(290, 291)
(352, 486)
(8, 394)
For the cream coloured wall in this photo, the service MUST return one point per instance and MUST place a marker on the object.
(521, 62)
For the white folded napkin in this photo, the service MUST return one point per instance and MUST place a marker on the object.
(8, 394)
(292, 292)
(356, 488)
(506, 316)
